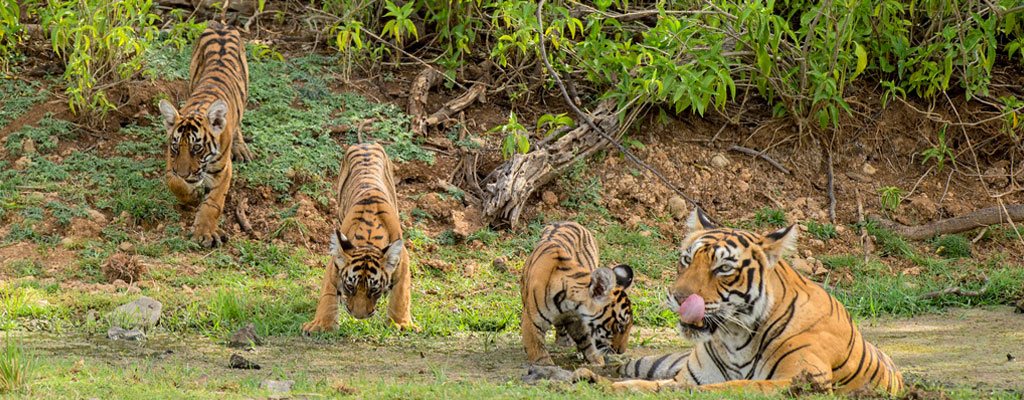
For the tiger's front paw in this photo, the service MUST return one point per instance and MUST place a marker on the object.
(210, 237)
(317, 325)
(240, 152)
(408, 327)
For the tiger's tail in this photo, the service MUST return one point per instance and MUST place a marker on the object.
(656, 367)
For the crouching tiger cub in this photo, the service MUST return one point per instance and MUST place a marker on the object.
(756, 322)
(207, 129)
(563, 287)
(368, 257)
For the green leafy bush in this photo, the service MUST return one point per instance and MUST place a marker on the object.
(100, 42)
(770, 217)
(10, 33)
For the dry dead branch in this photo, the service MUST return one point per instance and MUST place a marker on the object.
(761, 155)
(959, 291)
(506, 190)
(418, 95)
(972, 220)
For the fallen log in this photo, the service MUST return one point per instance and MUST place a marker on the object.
(972, 220)
(475, 93)
(510, 185)
(419, 92)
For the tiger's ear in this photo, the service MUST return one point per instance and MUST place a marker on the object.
(602, 281)
(698, 221)
(393, 255)
(623, 275)
(169, 113)
(217, 115)
(778, 243)
(339, 243)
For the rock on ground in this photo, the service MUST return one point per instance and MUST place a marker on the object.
(143, 313)
(277, 387)
(245, 338)
(239, 362)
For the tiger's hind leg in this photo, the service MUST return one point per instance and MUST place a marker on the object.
(239, 150)
(533, 340)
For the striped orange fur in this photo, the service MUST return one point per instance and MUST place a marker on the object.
(764, 326)
(562, 286)
(207, 129)
(368, 255)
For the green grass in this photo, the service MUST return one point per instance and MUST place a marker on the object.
(769, 217)
(16, 366)
(821, 231)
(19, 96)
(952, 246)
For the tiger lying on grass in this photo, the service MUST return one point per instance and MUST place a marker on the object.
(562, 286)
(208, 129)
(368, 256)
(756, 322)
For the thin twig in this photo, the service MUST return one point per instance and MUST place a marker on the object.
(959, 291)
(761, 155)
(417, 59)
(568, 101)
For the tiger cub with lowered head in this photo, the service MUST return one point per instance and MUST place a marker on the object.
(562, 286)
(756, 322)
(203, 134)
(368, 256)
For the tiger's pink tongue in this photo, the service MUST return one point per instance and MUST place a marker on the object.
(692, 310)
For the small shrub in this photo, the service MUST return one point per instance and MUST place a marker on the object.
(100, 42)
(890, 197)
(123, 266)
(821, 231)
(10, 33)
(16, 366)
(952, 246)
(517, 138)
(767, 216)
(889, 243)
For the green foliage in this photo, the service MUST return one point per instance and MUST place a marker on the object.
(517, 139)
(770, 217)
(583, 190)
(399, 24)
(554, 122)
(18, 97)
(889, 243)
(100, 42)
(952, 246)
(940, 152)
(11, 32)
(16, 366)
(821, 231)
(890, 197)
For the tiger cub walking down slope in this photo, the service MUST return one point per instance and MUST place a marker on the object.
(756, 322)
(208, 129)
(562, 286)
(368, 256)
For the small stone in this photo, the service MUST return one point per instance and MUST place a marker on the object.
(742, 186)
(633, 221)
(126, 247)
(538, 373)
(238, 362)
(817, 243)
(719, 161)
(500, 264)
(549, 198)
(118, 333)
(868, 169)
(840, 229)
(277, 387)
(142, 313)
(677, 207)
(460, 226)
(22, 163)
(28, 146)
(245, 338)
(996, 176)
